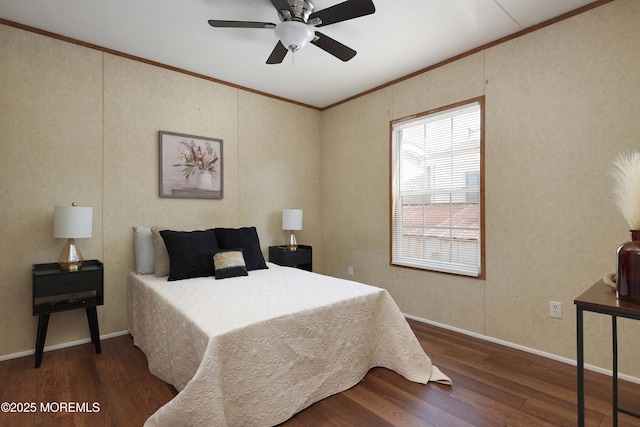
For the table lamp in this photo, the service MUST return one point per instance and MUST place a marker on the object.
(71, 222)
(292, 221)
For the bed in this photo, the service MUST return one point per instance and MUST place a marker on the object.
(254, 349)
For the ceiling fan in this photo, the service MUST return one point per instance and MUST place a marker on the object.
(297, 26)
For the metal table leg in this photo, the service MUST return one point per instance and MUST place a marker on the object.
(580, 347)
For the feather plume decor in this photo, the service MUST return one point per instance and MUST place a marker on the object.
(626, 191)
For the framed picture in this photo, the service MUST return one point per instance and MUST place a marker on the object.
(190, 166)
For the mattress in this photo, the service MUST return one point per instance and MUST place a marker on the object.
(254, 350)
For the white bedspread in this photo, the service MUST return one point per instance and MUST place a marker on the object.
(254, 350)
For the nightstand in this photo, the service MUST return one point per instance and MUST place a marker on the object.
(301, 258)
(55, 290)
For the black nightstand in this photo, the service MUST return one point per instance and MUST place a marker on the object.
(301, 258)
(55, 290)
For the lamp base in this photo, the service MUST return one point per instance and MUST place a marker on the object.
(292, 245)
(70, 258)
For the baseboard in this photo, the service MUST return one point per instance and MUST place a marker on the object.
(59, 346)
(409, 316)
(523, 348)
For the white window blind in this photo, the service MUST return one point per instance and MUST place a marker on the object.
(436, 176)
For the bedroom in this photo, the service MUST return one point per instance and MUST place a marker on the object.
(81, 125)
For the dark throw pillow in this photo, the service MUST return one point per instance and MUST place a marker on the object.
(245, 238)
(229, 263)
(190, 253)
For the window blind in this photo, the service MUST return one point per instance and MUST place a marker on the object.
(436, 176)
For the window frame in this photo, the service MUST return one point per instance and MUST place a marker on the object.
(392, 198)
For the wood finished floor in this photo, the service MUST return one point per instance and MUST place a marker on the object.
(493, 386)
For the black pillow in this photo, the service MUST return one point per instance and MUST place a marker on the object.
(229, 263)
(190, 253)
(245, 238)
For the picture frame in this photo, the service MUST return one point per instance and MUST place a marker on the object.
(191, 167)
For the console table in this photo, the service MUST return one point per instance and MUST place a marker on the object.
(55, 290)
(600, 298)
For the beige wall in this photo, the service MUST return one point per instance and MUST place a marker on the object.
(561, 102)
(81, 125)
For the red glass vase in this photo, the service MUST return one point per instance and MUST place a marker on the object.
(628, 269)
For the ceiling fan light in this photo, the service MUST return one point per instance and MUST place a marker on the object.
(294, 35)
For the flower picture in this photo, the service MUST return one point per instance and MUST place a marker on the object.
(190, 166)
(194, 159)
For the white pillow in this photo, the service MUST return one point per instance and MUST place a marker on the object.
(161, 254)
(144, 250)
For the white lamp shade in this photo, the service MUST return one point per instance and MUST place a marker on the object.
(292, 219)
(72, 222)
(294, 35)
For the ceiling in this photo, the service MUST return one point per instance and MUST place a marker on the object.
(401, 37)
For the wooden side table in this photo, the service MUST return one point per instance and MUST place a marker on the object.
(600, 298)
(55, 290)
(301, 258)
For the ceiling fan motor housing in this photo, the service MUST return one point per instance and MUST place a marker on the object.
(301, 9)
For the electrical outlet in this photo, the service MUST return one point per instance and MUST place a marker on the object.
(555, 309)
(350, 271)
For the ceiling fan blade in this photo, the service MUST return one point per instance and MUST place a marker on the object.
(334, 47)
(240, 24)
(278, 54)
(343, 11)
(281, 5)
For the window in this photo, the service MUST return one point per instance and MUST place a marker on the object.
(473, 183)
(437, 176)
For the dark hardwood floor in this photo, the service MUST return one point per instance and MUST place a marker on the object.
(493, 386)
